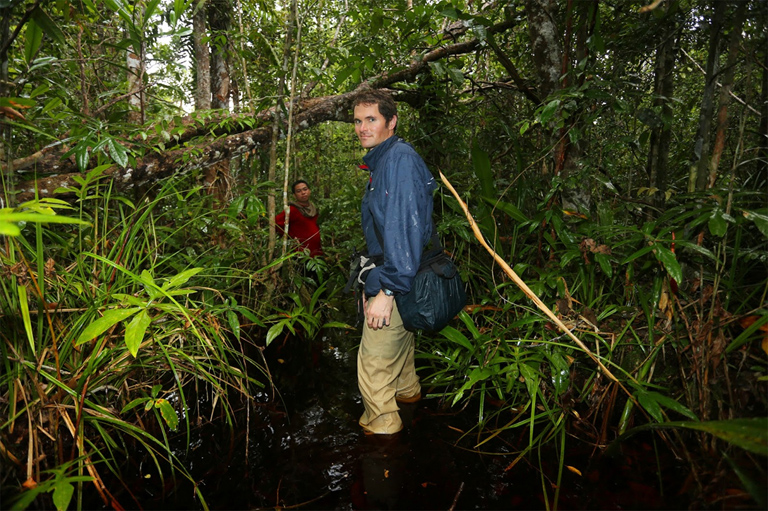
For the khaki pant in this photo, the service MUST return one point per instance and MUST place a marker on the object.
(385, 369)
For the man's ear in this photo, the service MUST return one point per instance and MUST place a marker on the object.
(392, 124)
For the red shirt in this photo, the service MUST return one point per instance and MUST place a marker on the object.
(303, 229)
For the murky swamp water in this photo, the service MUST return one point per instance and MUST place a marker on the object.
(305, 450)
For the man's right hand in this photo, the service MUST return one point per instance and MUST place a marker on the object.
(378, 310)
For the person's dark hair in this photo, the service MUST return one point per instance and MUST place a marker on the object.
(386, 104)
(297, 183)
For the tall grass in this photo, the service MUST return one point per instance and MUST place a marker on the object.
(113, 331)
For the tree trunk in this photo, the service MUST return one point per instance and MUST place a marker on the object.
(725, 93)
(545, 44)
(278, 121)
(202, 58)
(762, 135)
(663, 91)
(220, 14)
(698, 174)
(136, 69)
(6, 156)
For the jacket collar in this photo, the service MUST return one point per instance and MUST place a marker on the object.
(376, 154)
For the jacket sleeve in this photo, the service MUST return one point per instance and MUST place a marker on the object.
(403, 218)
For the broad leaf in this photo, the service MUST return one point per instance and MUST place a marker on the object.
(168, 413)
(108, 320)
(134, 332)
(62, 494)
(454, 335)
(32, 41)
(669, 261)
(181, 278)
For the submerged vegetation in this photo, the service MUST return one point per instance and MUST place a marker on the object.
(143, 283)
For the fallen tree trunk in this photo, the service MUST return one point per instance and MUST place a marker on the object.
(235, 138)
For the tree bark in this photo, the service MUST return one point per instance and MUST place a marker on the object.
(663, 91)
(219, 17)
(698, 174)
(136, 70)
(762, 135)
(725, 92)
(202, 58)
(545, 43)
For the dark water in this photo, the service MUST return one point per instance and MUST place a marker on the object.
(305, 450)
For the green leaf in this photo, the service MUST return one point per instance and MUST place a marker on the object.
(342, 75)
(476, 375)
(133, 404)
(482, 165)
(669, 261)
(274, 331)
(637, 254)
(110, 318)
(717, 224)
(51, 29)
(168, 413)
(510, 209)
(234, 323)
(746, 335)
(454, 335)
(8, 215)
(649, 403)
(755, 487)
(750, 434)
(134, 332)
(62, 494)
(117, 152)
(82, 155)
(549, 111)
(181, 278)
(32, 41)
(760, 219)
(24, 305)
(9, 228)
(337, 324)
(667, 402)
(531, 378)
(604, 261)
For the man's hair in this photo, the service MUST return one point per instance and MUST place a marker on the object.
(381, 98)
(297, 183)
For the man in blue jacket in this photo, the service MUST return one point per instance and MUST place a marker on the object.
(397, 224)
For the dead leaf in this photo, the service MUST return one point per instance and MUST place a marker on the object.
(12, 113)
(574, 470)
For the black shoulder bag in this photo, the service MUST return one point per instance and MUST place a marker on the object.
(437, 292)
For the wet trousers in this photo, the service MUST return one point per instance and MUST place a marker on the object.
(385, 370)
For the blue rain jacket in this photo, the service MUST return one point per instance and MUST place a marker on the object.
(398, 201)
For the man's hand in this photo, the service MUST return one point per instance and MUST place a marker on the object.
(378, 310)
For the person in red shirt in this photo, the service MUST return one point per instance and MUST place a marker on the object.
(302, 223)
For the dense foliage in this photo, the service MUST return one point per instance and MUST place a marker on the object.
(615, 155)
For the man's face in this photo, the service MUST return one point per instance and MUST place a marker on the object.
(302, 193)
(371, 127)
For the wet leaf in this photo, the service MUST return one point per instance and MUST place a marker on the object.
(669, 261)
(168, 413)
